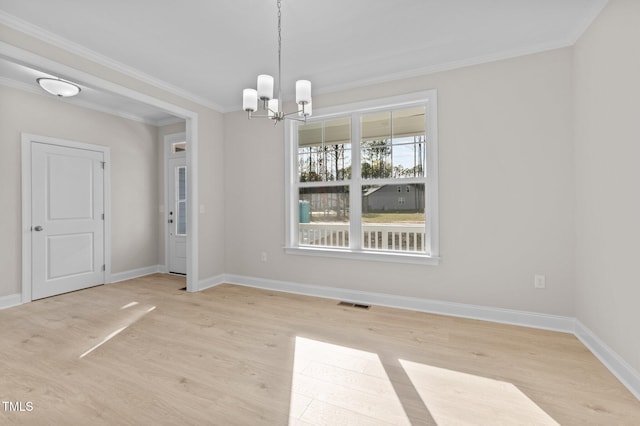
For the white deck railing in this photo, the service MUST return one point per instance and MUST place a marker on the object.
(378, 236)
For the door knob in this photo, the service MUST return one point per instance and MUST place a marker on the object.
(37, 228)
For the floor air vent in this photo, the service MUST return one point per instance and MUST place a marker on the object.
(354, 305)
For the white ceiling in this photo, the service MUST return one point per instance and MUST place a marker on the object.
(210, 50)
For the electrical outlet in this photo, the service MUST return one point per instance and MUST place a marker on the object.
(263, 256)
(539, 281)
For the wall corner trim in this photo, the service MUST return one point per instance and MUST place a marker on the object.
(10, 301)
(618, 366)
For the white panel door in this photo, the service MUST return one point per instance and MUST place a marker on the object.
(177, 220)
(67, 219)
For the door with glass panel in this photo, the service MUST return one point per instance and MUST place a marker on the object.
(177, 215)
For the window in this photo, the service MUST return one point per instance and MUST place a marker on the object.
(178, 147)
(362, 181)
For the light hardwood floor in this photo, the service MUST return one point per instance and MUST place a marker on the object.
(144, 352)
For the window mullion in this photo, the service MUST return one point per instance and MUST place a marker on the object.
(431, 176)
(292, 183)
(355, 187)
(391, 142)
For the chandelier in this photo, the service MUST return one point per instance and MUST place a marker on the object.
(264, 93)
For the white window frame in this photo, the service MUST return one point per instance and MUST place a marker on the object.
(431, 257)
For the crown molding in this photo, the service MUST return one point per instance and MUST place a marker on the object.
(24, 87)
(31, 59)
(587, 20)
(432, 69)
(55, 40)
(41, 34)
(168, 121)
(448, 66)
(568, 41)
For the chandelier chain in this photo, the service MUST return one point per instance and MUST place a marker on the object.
(279, 51)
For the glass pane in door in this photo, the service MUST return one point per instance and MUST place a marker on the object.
(181, 201)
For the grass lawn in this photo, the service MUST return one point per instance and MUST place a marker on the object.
(393, 217)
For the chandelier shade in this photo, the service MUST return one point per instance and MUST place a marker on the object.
(272, 108)
(303, 92)
(250, 100)
(265, 87)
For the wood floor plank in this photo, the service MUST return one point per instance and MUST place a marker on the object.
(145, 352)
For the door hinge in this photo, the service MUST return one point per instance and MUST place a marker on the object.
(102, 216)
(103, 163)
(104, 268)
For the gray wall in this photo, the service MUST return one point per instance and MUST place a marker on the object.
(607, 90)
(209, 132)
(506, 186)
(134, 176)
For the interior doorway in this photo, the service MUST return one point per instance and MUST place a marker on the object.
(50, 66)
(176, 203)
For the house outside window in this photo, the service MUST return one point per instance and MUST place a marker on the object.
(345, 169)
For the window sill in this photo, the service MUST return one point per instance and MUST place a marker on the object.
(377, 256)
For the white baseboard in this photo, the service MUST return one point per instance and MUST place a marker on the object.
(507, 316)
(212, 282)
(10, 301)
(136, 273)
(618, 366)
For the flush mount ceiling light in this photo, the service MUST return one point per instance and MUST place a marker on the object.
(57, 87)
(271, 106)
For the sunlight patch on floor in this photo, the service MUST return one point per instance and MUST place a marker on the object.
(331, 385)
(105, 340)
(455, 398)
(128, 305)
(132, 318)
(338, 385)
